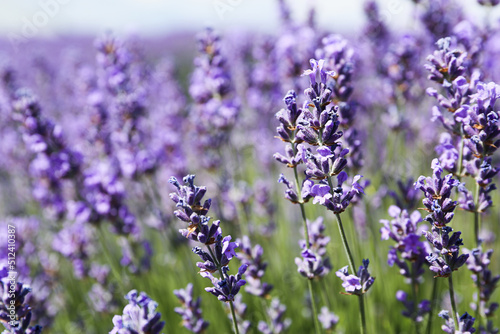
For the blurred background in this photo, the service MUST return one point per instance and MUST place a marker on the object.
(152, 18)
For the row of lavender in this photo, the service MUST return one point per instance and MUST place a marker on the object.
(97, 148)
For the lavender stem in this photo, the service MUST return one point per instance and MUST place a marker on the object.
(353, 269)
(221, 273)
(452, 299)
(433, 298)
(415, 300)
(308, 242)
(235, 323)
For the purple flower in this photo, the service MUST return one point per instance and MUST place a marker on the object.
(14, 295)
(228, 247)
(356, 285)
(465, 323)
(311, 265)
(191, 310)
(448, 258)
(478, 263)
(404, 231)
(437, 191)
(338, 199)
(278, 322)
(139, 316)
(328, 319)
(226, 289)
(256, 268)
(415, 313)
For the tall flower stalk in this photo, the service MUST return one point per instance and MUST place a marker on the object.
(447, 258)
(316, 126)
(221, 250)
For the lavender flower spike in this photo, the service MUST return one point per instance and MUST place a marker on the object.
(226, 289)
(356, 285)
(139, 316)
(190, 310)
(437, 192)
(278, 323)
(465, 323)
(15, 313)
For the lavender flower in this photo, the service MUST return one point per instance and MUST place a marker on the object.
(339, 198)
(416, 313)
(53, 161)
(408, 196)
(449, 251)
(328, 319)
(190, 310)
(409, 252)
(278, 323)
(226, 289)
(139, 316)
(465, 324)
(256, 268)
(216, 109)
(478, 263)
(220, 249)
(312, 264)
(437, 191)
(15, 313)
(356, 285)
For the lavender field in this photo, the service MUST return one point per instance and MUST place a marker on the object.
(297, 181)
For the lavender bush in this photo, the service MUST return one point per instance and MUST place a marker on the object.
(100, 139)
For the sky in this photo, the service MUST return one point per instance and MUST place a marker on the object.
(32, 18)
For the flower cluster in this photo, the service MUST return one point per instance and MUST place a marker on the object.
(221, 250)
(216, 109)
(277, 316)
(53, 161)
(312, 264)
(409, 249)
(448, 248)
(412, 311)
(139, 316)
(329, 320)
(190, 310)
(437, 191)
(252, 256)
(356, 285)
(465, 323)
(15, 313)
(478, 263)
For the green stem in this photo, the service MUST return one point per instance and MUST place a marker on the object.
(433, 299)
(107, 256)
(235, 322)
(221, 273)
(308, 243)
(313, 304)
(362, 316)
(415, 300)
(346, 245)
(452, 299)
(325, 295)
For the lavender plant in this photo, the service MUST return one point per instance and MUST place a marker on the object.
(139, 316)
(220, 249)
(447, 258)
(190, 311)
(409, 254)
(15, 312)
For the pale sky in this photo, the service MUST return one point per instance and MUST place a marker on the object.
(156, 17)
